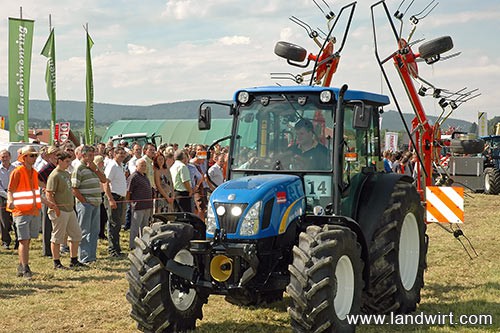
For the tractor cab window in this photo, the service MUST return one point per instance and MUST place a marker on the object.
(361, 145)
(281, 133)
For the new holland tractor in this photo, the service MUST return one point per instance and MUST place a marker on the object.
(305, 210)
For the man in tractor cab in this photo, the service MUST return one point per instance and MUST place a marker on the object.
(312, 153)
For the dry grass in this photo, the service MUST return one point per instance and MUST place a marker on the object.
(94, 301)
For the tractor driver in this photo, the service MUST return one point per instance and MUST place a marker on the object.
(313, 154)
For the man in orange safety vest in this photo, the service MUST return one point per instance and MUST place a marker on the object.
(24, 201)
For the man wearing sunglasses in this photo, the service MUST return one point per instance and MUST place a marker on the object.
(24, 201)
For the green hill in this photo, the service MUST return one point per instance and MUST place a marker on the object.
(105, 114)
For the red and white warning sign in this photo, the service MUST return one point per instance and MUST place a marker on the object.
(61, 132)
(445, 204)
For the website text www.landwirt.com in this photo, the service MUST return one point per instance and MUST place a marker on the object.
(439, 319)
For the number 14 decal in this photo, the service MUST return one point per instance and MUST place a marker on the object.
(318, 186)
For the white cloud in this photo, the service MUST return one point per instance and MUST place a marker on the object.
(182, 9)
(196, 9)
(134, 49)
(466, 17)
(235, 40)
(285, 34)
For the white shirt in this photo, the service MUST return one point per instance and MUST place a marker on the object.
(116, 176)
(74, 165)
(131, 164)
(215, 173)
(39, 163)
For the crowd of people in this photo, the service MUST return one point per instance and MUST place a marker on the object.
(76, 195)
(400, 162)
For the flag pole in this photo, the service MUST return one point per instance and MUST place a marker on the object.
(52, 96)
(49, 52)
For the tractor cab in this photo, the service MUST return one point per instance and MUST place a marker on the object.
(291, 130)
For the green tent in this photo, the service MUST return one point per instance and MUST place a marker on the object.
(179, 131)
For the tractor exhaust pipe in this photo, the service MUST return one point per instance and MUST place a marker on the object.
(338, 157)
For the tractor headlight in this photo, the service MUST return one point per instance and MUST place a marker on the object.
(325, 96)
(243, 97)
(251, 220)
(211, 224)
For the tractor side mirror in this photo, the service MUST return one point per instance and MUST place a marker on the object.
(204, 118)
(361, 117)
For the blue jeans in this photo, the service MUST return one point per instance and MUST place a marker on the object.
(89, 219)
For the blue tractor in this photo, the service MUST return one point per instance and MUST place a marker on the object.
(491, 172)
(305, 210)
(330, 230)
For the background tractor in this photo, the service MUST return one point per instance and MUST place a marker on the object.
(491, 173)
(312, 216)
(472, 162)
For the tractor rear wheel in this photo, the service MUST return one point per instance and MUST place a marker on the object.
(491, 181)
(325, 279)
(161, 301)
(397, 254)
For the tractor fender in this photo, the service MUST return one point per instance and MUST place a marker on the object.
(374, 198)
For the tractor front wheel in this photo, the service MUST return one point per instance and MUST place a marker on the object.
(325, 280)
(491, 181)
(397, 254)
(162, 301)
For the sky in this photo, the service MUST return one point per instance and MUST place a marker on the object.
(158, 51)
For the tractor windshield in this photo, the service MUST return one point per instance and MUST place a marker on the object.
(284, 133)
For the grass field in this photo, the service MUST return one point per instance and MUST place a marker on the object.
(94, 300)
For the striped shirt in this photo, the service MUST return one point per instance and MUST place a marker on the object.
(87, 182)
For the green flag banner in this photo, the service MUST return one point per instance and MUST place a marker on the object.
(49, 51)
(89, 110)
(20, 43)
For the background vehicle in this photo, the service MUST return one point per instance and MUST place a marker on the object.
(13, 147)
(337, 234)
(140, 138)
(473, 163)
(491, 172)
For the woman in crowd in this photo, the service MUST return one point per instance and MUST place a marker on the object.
(164, 198)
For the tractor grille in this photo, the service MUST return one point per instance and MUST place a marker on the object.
(228, 222)
(268, 210)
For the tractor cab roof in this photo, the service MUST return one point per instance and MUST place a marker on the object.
(350, 95)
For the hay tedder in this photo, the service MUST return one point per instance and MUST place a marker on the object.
(305, 208)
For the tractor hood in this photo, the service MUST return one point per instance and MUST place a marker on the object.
(276, 199)
(257, 183)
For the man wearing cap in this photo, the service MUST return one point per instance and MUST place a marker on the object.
(24, 201)
(124, 145)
